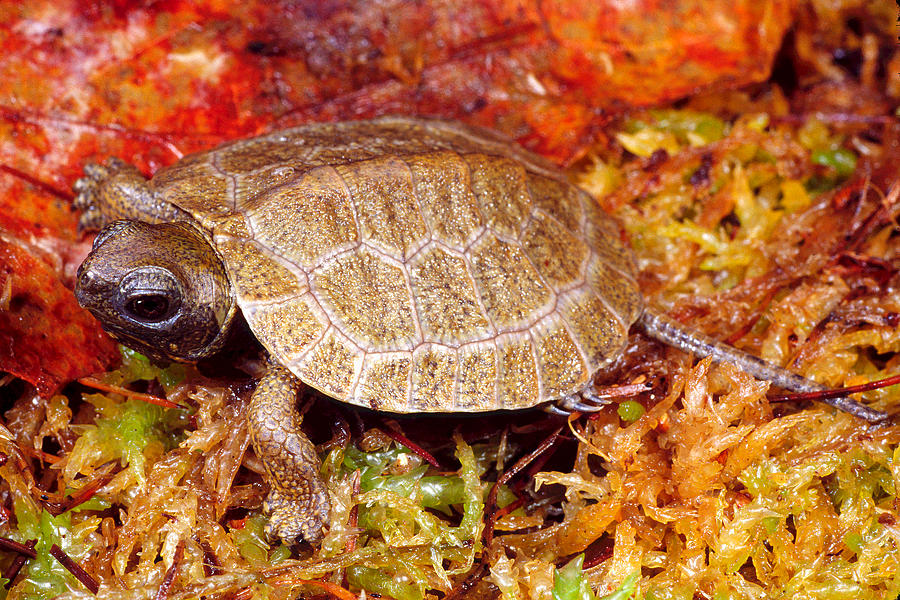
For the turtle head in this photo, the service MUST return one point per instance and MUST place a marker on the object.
(158, 288)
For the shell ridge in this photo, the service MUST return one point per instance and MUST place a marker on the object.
(373, 231)
(554, 295)
(467, 261)
(585, 264)
(409, 382)
(498, 146)
(424, 242)
(599, 294)
(417, 200)
(570, 298)
(356, 379)
(544, 281)
(414, 311)
(429, 234)
(542, 394)
(454, 397)
(585, 360)
(231, 186)
(295, 269)
(496, 403)
(337, 252)
(297, 362)
(479, 301)
(302, 356)
(252, 305)
(467, 169)
(628, 277)
(345, 189)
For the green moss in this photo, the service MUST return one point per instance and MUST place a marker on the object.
(44, 576)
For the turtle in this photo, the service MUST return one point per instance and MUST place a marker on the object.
(400, 264)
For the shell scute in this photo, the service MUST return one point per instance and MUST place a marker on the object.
(558, 255)
(598, 331)
(561, 367)
(288, 329)
(306, 219)
(450, 209)
(605, 237)
(332, 366)
(477, 377)
(445, 298)
(368, 299)
(518, 384)
(197, 188)
(620, 293)
(499, 185)
(256, 275)
(385, 382)
(433, 378)
(511, 289)
(560, 199)
(386, 207)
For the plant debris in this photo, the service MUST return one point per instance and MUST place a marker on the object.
(766, 216)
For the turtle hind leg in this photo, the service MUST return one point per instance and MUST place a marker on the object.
(673, 333)
(298, 504)
(118, 190)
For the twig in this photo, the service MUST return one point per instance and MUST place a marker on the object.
(41, 185)
(17, 563)
(330, 588)
(523, 462)
(15, 546)
(838, 392)
(163, 592)
(211, 564)
(116, 389)
(75, 569)
(405, 441)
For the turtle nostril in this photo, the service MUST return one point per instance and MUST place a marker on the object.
(87, 282)
(87, 278)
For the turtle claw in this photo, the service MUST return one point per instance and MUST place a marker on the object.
(87, 189)
(90, 193)
(290, 521)
(117, 190)
(585, 402)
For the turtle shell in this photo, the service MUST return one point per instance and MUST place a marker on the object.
(414, 265)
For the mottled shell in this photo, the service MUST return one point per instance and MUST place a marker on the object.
(414, 265)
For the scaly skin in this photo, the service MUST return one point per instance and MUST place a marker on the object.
(118, 190)
(298, 504)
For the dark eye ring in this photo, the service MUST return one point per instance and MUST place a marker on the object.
(148, 307)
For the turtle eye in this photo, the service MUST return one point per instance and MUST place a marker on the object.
(148, 307)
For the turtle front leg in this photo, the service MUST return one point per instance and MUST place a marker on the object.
(118, 190)
(298, 504)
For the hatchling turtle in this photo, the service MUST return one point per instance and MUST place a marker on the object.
(400, 264)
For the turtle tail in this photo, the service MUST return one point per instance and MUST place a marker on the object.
(673, 333)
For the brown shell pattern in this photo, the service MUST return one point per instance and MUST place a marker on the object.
(414, 265)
